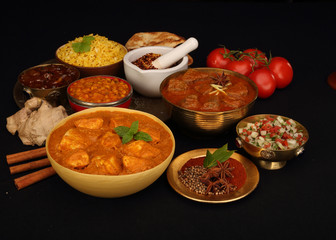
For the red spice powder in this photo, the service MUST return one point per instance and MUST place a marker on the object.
(238, 172)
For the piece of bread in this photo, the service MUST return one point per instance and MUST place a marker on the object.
(144, 39)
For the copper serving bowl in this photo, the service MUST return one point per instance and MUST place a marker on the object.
(266, 158)
(56, 95)
(208, 123)
(79, 105)
(115, 69)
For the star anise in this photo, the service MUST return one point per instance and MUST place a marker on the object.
(221, 80)
(221, 83)
(225, 169)
(216, 178)
(228, 187)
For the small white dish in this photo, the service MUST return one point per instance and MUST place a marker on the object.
(147, 82)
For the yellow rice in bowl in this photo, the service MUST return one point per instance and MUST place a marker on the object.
(103, 52)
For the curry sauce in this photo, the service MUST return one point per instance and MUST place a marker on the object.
(208, 91)
(89, 144)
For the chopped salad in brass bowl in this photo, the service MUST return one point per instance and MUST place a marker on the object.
(274, 133)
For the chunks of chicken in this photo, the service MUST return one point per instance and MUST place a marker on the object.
(89, 123)
(121, 121)
(79, 159)
(136, 164)
(108, 164)
(110, 140)
(153, 132)
(73, 139)
(141, 149)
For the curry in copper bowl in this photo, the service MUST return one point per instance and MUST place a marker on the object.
(208, 100)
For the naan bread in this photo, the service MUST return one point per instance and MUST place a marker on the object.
(143, 39)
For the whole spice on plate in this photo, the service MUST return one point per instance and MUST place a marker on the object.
(228, 175)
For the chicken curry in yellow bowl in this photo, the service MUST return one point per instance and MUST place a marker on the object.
(109, 151)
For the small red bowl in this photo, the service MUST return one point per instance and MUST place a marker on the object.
(78, 105)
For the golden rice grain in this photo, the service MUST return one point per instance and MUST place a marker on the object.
(103, 52)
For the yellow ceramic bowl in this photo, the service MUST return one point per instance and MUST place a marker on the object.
(109, 186)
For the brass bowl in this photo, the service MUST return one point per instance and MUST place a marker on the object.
(55, 96)
(110, 186)
(266, 158)
(207, 123)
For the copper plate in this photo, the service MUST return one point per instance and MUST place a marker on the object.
(251, 183)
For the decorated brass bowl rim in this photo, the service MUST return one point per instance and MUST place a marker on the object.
(93, 104)
(260, 116)
(205, 69)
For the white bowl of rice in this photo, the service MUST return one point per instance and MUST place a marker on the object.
(93, 55)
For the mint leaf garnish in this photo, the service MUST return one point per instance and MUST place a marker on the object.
(84, 45)
(127, 134)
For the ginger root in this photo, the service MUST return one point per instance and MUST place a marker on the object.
(34, 122)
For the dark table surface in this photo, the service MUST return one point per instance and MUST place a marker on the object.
(295, 201)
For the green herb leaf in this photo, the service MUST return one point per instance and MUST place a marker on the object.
(221, 155)
(208, 160)
(127, 137)
(121, 130)
(143, 136)
(84, 45)
(127, 134)
(134, 127)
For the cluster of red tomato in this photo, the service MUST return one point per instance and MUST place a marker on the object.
(267, 73)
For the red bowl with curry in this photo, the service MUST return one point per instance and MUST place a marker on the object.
(208, 101)
(99, 91)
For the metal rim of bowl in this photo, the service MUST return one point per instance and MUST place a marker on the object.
(105, 104)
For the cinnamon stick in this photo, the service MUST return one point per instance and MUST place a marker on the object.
(27, 155)
(34, 177)
(29, 166)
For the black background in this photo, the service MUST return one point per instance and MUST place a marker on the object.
(296, 201)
